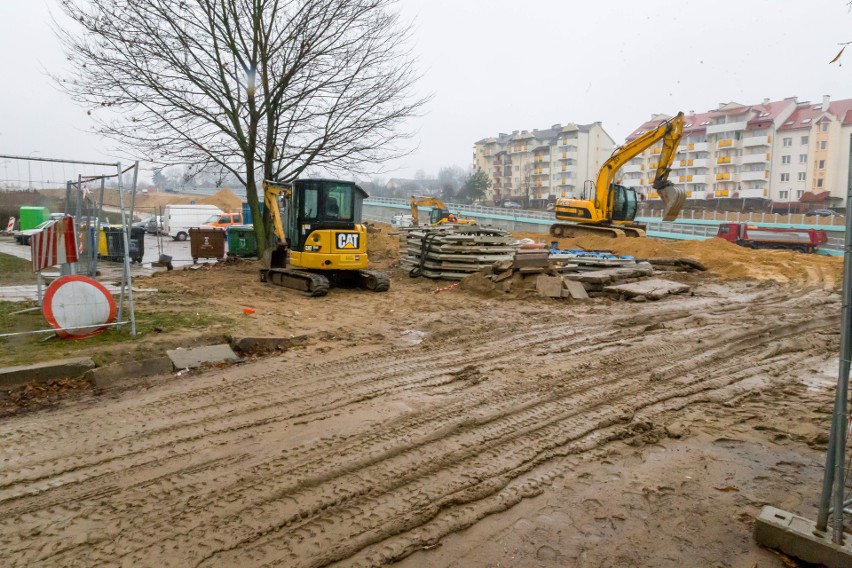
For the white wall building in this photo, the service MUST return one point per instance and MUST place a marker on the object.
(542, 164)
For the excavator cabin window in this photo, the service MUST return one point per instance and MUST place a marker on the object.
(623, 203)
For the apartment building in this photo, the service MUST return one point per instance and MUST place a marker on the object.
(783, 151)
(542, 164)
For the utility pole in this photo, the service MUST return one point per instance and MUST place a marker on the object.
(29, 170)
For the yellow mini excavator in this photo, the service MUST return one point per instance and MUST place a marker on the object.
(608, 208)
(439, 215)
(322, 241)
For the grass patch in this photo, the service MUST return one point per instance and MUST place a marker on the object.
(14, 270)
(152, 328)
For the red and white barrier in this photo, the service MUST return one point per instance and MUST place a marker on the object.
(11, 226)
(55, 244)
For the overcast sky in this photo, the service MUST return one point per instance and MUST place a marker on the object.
(502, 65)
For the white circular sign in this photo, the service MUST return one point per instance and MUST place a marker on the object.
(77, 306)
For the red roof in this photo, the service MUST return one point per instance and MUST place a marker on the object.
(803, 117)
(646, 126)
(692, 123)
(841, 109)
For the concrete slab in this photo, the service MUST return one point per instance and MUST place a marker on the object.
(196, 357)
(550, 286)
(652, 289)
(798, 537)
(104, 377)
(575, 290)
(11, 377)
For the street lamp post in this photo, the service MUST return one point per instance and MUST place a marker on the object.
(29, 170)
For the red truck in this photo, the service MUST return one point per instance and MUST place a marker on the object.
(802, 240)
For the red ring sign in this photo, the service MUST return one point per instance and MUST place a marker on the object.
(78, 302)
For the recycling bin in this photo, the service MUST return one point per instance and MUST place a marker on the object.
(115, 243)
(242, 241)
(207, 243)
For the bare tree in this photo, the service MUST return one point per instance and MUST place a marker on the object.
(260, 88)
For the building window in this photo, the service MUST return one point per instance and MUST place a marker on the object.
(785, 159)
(803, 158)
(821, 164)
(822, 145)
(788, 142)
(804, 140)
(785, 177)
(825, 127)
(784, 194)
(801, 176)
(799, 193)
(819, 182)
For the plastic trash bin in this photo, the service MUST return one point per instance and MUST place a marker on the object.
(115, 243)
(247, 212)
(242, 240)
(207, 243)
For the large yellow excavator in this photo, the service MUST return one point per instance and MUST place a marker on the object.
(322, 242)
(610, 207)
(439, 214)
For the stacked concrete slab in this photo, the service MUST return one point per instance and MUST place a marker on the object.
(454, 252)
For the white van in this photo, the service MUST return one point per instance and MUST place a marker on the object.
(177, 219)
(401, 220)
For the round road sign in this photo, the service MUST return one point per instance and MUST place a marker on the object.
(78, 302)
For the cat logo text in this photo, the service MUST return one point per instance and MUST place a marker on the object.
(347, 241)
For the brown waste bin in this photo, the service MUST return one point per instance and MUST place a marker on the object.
(207, 243)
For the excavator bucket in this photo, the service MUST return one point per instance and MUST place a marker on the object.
(673, 198)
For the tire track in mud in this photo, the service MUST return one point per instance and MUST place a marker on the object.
(367, 495)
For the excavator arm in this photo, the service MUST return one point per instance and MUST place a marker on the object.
(670, 133)
(271, 191)
(423, 202)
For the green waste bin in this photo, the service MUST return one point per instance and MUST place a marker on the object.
(242, 240)
(31, 217)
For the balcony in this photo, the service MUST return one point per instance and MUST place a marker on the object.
(633, 168)
(727, 127)
(568, 156)
(683, 179)
(727, 143)
(721, 176)
(760, 175)
(754, 192)
(685, 163)
(721, 193)
(757, 141)
(698, 178)
(697, 194)
(702, 163)
(723, 160)
(698, 147)
(541, 172)
(759, 158)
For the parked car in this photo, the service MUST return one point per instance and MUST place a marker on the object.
(23, 237)
(224, 220)
(823, 213)
(402, 221)
(153, 225)
(511, 205)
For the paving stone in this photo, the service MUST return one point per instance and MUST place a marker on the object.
(253, 345)
(106, 376)
(574, 290)
(652, 289)
(197, 356)
(550, 286)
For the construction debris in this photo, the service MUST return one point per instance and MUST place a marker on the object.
(653, 289)
(454, 252)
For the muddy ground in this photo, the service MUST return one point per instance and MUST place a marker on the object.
(442, 429)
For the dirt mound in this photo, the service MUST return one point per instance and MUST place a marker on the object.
(224, 199)
(382, 248)
(721, 257)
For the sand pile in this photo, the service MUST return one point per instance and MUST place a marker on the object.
(224, 199)
(382, 248)
(721, 257)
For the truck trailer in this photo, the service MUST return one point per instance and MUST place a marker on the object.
(751, 236)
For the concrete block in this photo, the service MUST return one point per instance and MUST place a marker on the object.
(798, 537)
(196, 357)
(253, 345)
(103, 377)
(653, 289)
(550, 286)
(574, 290)
(11, 377)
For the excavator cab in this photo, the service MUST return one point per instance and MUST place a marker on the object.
(624, 203)
(437, 215)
